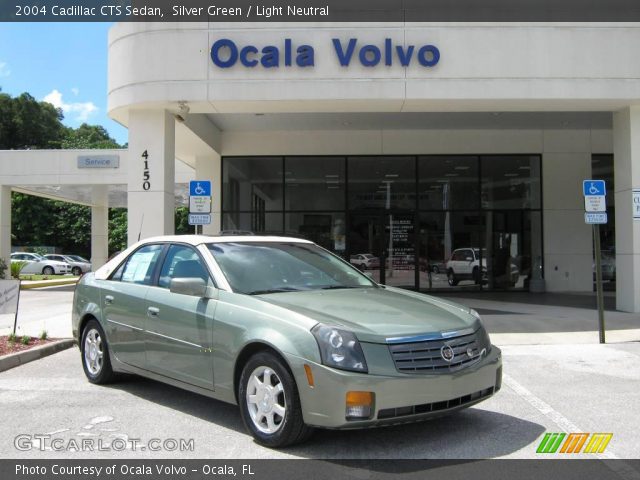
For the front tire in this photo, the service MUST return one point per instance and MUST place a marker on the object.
(95, 354)
(451, 278)
(77, 271)
(48, 270)
(269, 402)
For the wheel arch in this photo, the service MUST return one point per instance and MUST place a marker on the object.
(248, 351)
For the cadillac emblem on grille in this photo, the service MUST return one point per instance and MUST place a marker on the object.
(447, 353)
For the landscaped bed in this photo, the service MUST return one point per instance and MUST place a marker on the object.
(7, 346)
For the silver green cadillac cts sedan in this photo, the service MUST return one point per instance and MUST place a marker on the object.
(294, 335)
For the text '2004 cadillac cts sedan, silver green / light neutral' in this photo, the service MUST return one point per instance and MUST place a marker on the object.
(294, 335)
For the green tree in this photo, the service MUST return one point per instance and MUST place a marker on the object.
(27, 123)
(88, 136)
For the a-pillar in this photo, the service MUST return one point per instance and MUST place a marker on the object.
(5, 227)
(208, 168)
(626, 160)
(151, 174)
(99, 226)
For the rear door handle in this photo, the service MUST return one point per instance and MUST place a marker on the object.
(108, 299)
(153, 311)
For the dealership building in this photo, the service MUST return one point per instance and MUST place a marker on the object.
(445, 156)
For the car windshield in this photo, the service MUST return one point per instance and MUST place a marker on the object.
(77, 258)
(368, 256)
(269, 267)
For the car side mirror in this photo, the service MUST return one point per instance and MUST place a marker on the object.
(195, 287)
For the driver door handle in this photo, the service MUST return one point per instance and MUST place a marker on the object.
(108, 299)
(153, 311)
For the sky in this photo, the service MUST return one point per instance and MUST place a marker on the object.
(61, 63)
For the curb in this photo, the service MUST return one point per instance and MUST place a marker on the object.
(47, 283)
(20, 358)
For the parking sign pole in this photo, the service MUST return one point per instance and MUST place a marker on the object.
(599, 295)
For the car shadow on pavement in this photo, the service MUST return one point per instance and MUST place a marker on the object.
(467, 434)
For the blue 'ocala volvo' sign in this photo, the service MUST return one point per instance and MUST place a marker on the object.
(226, 53)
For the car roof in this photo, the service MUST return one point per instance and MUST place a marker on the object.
(104, 271)
(200, 239)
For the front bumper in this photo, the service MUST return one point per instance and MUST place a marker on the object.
(398, 398)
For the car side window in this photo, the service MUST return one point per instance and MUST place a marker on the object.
(182, 261)
(140, 265)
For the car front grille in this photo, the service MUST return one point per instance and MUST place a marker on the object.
(426, 356)
(436, 406)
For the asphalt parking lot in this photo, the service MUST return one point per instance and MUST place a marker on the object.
(553, 387)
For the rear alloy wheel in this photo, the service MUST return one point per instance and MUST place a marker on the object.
(95, 354)
(269, 402)
(77, 271)
(451, 278)
(48, 270)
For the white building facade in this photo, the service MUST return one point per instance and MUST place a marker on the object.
(416, 144)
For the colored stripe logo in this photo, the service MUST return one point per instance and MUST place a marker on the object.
(574, 442)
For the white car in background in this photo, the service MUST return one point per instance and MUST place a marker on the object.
(464, 264)
(365, 261)
(37, 264)
(79, 265)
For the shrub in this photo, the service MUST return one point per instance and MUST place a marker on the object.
(12, 337)
(3, 268)
(43, 335)
(15, 269)
(25, 340)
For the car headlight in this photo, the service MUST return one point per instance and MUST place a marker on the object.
(483, 336)
(339, 349)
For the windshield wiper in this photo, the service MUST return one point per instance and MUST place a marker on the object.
(273, 290)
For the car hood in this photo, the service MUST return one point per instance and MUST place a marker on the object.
(377, 314)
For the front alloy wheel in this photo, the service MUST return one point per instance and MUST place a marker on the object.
(266, 400)
(269, 402)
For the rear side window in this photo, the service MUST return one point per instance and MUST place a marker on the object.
(140, 266)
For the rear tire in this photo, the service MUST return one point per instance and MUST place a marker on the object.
(269, 402)
(48, 270)
(95, 354)
(476, 276)
(451, 278)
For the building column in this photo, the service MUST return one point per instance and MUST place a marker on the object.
(5, 227)
(626, 161)
(208, 168)
(151, 174)
(99, 226)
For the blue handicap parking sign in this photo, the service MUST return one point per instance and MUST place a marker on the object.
(593, 187)
(199, 188)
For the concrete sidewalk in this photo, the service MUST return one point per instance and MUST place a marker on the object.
(513, 319)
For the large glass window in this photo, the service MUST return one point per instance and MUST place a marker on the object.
(314, 183)
(448, 183)
(401, 218)
(382, 183)
(247, 180)
(510, 181)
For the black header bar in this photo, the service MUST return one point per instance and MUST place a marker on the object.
(320, 10)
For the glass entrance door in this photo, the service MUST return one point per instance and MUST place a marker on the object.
(383, 245)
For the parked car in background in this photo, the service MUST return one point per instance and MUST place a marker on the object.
(37, 264)
(464, 264)
(79, 265)
(291, 333)
(365, 261)
(435, 266)
(608, 262)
